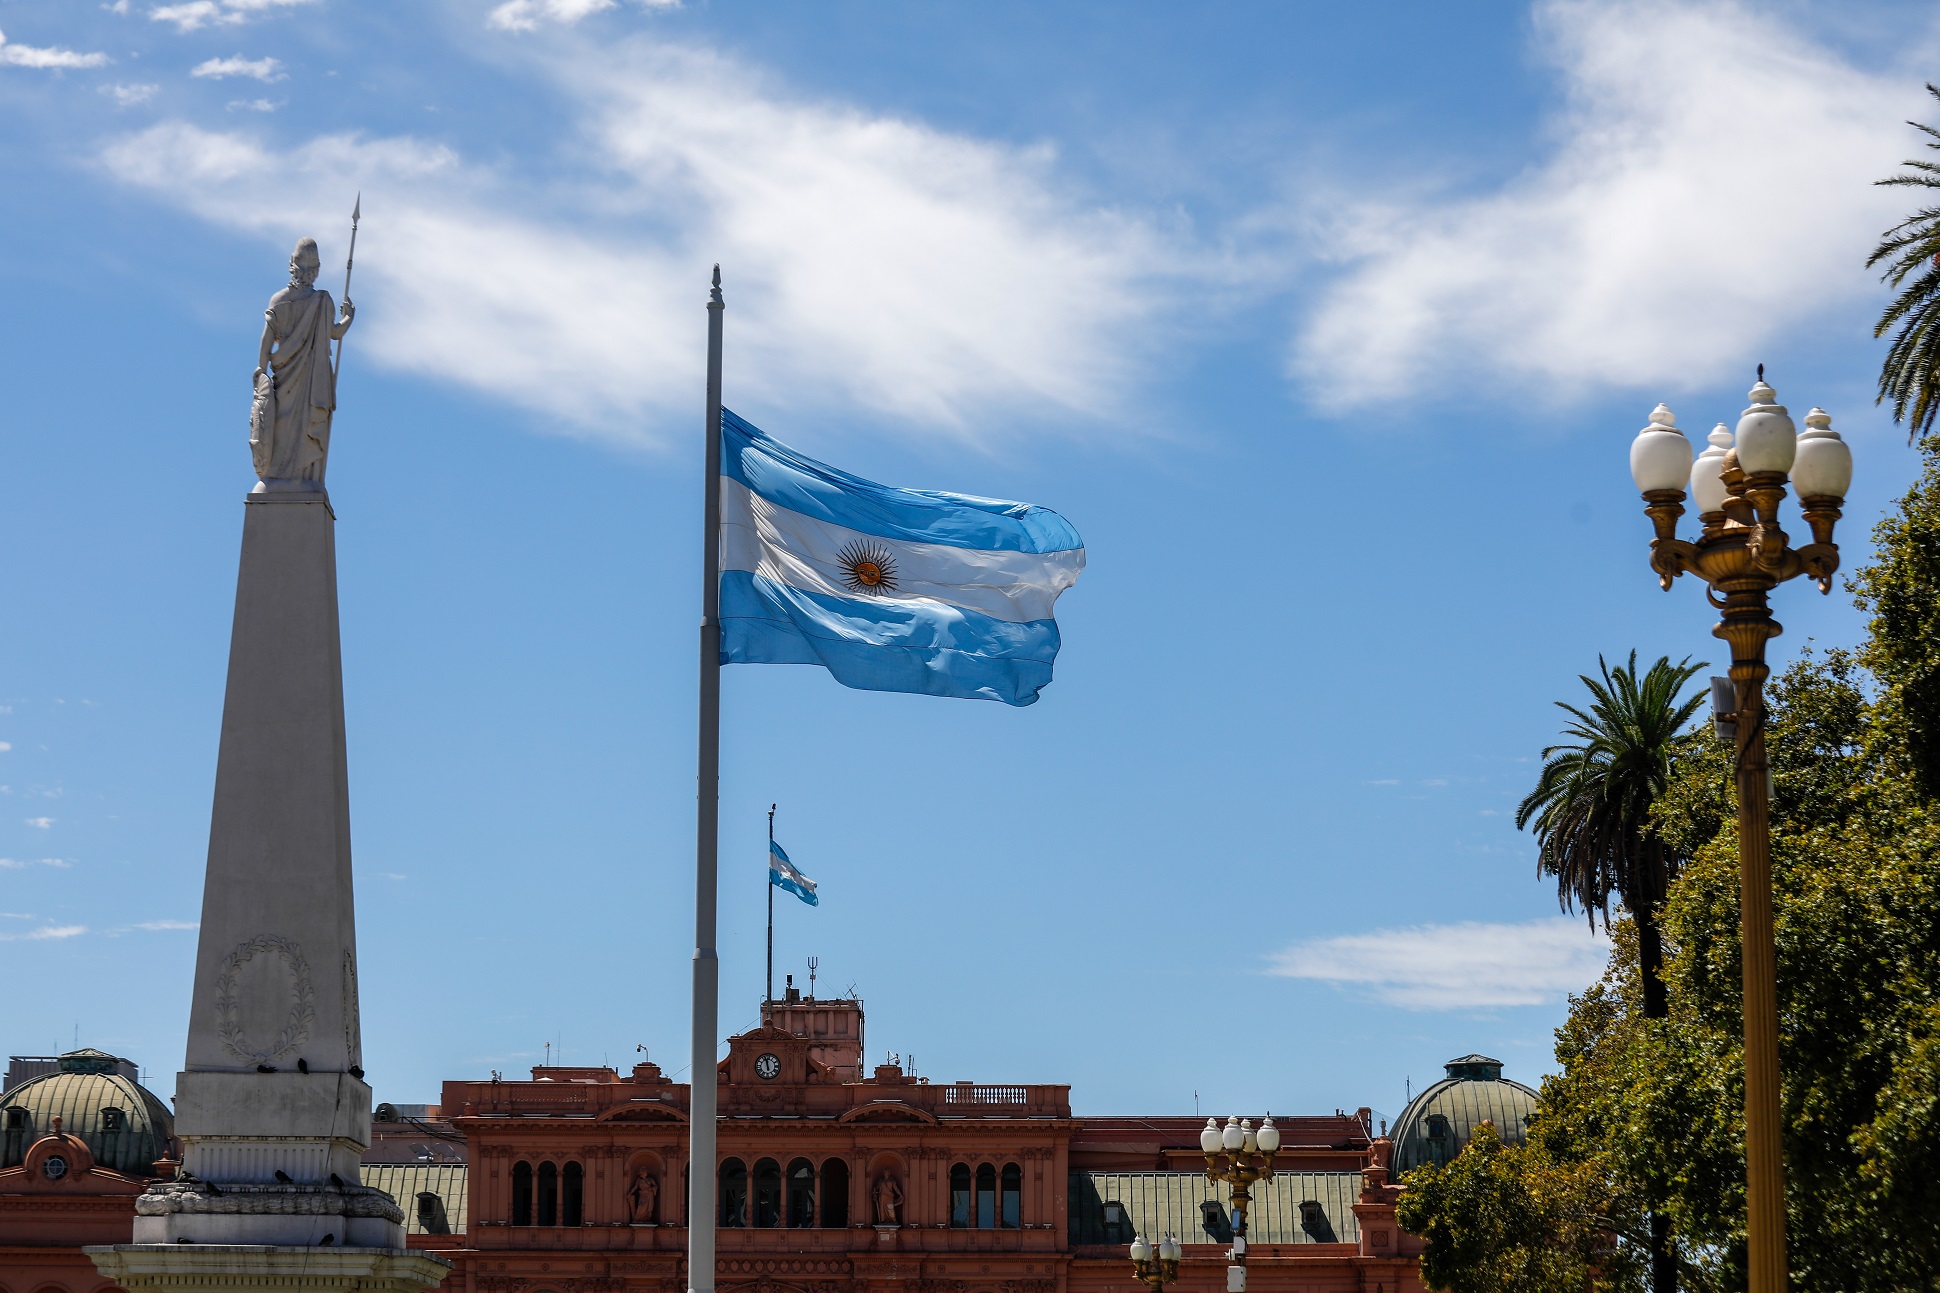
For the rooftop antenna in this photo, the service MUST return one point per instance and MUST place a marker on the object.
(814, 963)
(548, 1054)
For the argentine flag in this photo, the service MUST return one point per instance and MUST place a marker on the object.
(783, 875)
(888, 589)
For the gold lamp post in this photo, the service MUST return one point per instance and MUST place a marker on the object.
(1156, 1264)
(1239, 1156)
(1738, 484)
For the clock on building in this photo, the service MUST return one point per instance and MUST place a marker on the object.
(767, 1066)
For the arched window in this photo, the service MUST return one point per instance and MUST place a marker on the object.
(960, 1196)
(573, 1195)
(734, 1192)
(835, 1194)
(986, 1197)
(431, 1213)
(521, 1194)
(801, 1193)
(766, 1192)
(1013, 1199)
(19, 1133)
(548, 1194)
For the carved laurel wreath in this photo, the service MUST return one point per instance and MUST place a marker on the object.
(303, 1005)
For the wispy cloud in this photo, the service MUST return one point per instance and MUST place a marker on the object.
(39, 823)
(46, 56)
(1695, 204)
(45, 932)
(169, 924)
(1469, 965)
(197, 14)
(250, 105)
(527, 15)
(5, 746)
(21, 864)
(261, 69)
(128, 96)
(873, 261)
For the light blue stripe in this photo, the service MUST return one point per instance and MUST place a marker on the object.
(801, 484)
(925, 647)
(775, 849)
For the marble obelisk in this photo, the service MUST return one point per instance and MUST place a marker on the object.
(271, 1108)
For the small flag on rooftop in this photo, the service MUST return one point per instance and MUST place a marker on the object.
(783, 875)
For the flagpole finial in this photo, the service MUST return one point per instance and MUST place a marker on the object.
(714, 296)
(357, 211)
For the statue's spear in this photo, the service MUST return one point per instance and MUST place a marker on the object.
(356, 212)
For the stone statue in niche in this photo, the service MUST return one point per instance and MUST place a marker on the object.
(296, 384)
(643, 1199)
(889, 1201)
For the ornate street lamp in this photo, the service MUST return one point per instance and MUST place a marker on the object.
(1743, 554)
(1156, 1264)
(1239, 1156)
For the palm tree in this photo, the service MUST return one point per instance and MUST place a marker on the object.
(1910, 377)
(1592, 803)
(1591, 807)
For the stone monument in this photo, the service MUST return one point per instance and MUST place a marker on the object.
(271, 1108)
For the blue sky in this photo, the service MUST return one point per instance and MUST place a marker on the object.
(1328, 326)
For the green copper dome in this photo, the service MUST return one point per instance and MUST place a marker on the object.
(124, 1125)
(1437, 1124)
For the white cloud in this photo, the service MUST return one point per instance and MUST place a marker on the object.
(127, 96)
(869, 260)
(5, 746)
(46, 932)
(39, 823)
(53, 930)
(1709, 186)
(395, 875)
(526, 15)
(17, 864)
(197, 14)
(169, 924)
(1470, 965)
(262, 69)
(46, 56)
(250, 105)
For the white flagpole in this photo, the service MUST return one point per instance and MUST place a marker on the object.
(707, 965)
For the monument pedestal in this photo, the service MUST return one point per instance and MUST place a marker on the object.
(272, 1110)
(253, 1268)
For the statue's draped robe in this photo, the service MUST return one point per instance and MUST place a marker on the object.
(289, 425)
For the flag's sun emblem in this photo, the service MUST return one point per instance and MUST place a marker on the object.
(867, 568)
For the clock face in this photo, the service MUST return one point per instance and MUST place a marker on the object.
(55, 1167)
(767, 1066)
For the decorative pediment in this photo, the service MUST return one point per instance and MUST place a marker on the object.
(888, 1111)
(643, 1111)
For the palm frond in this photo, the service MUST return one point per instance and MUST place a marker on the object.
(1909, 376)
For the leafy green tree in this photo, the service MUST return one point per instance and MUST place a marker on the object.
(1910, 250)
(1902, 590)
(1507, 1219)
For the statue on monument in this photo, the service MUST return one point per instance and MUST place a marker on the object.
(296, 385)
